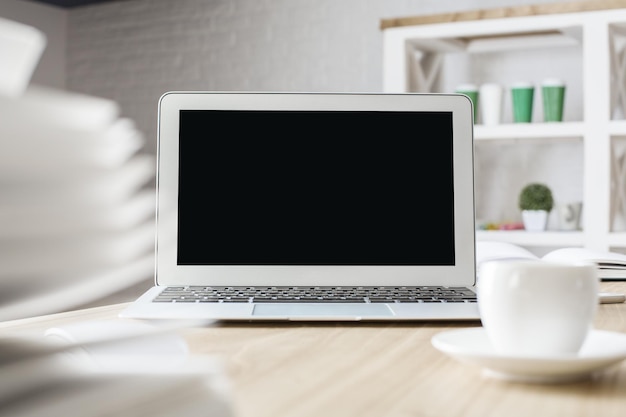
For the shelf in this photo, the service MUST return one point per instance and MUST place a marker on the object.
(524, 238)
(508, 42)
(523, 41)
(587, 44)
(556, 130)
(485, 15)
(617, 239)
(617, 127)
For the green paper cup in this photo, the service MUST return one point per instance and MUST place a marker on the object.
(522, 94)
(470, 90)
(553, 93)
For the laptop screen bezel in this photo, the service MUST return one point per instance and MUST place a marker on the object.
(168, 272)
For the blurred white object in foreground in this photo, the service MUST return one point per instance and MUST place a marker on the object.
(77, 224)
(110, 367)
(20, 49)
(76, 217)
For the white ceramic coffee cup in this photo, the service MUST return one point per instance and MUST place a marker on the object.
(537, 308)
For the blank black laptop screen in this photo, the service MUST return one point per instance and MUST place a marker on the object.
(315, 188)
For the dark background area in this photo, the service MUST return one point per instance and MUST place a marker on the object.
(68, 4)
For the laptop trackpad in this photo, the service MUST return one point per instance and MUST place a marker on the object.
(352, 311)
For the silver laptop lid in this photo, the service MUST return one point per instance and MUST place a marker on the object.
(315, 189)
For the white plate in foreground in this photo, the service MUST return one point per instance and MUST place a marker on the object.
(601, 350)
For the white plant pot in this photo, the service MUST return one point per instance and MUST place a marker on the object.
(535, 220)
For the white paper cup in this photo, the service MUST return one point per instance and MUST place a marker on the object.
(490, 103)
(537, 308)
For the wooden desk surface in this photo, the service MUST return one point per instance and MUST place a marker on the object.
(322, 370)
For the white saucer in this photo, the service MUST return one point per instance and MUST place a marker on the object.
(601, 350)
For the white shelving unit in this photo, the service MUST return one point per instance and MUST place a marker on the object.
(415, 55)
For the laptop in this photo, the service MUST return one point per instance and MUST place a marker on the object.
(313, 207)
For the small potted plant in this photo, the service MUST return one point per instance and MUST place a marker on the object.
(536, 202)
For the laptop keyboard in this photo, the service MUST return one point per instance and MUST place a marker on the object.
(202, 294)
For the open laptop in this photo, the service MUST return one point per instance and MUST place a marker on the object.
(313, 206)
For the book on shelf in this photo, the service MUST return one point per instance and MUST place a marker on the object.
(611, 265)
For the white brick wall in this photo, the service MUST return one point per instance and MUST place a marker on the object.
(133, 51)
